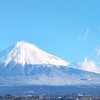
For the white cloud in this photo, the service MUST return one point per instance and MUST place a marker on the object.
(92, 62)
(83, 36)
(89, 66)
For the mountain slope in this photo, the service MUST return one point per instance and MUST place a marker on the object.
(29, 65)
(51, 76)
(25, 53)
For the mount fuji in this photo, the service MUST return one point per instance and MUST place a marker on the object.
(25, 53)
(25, 64)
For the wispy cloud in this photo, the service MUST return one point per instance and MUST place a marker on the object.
(84, 35)
(97, 52)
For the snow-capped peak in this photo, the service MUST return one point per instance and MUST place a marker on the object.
(26, 53)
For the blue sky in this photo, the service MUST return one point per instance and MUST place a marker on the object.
(69, 29)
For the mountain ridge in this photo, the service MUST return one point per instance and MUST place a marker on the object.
(29, 65)
(26, 53)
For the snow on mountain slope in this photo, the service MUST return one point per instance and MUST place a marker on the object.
(29, 65)
(52, 76)
(25, 53)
